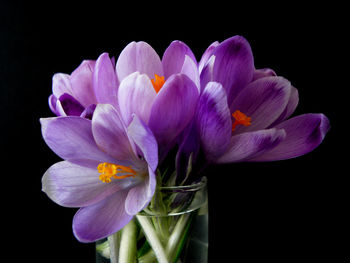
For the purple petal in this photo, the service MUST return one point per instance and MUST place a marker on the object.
(251, 144)
(61, 84)
(113, 61)
(109, 132)
(189, 144)
(143, 137)
(52, 104)
(233, 67)
(88, 112)
(141, 57)
(140, 196)
(71, 139)
(173, 108)
(213, 120)
(59, 109)
(190, 69)
(206, 55)
(102, 219)
(105, 82)
(136, 95)
(72, 185)
(262, 73)
(174, 58)
(81, 81)
(290, 108)
(70, 105)
(207, 73)
(304, 133)
(264, 101)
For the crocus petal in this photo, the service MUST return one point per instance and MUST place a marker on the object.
(81, 81)
(71, 139)
(88, 112)
(207, 73)
(105, 82)
(174, 58)
(140, 195)
(72, 185)
(264, 72)
(190, 69)
(263, 100)
(53, 104)
(304, 133)
(102, 219)
(188, 145)
(61, 84)
(251, 144)
(173, 108)
(143, 137)
(110, 134)
(136, 95)
(206, 55)
(141, 57)
(290, 108)
(213, 120)
(233, 67)
(59, 109)
(70, 105)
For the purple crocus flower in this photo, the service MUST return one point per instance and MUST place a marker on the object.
(108, 169)
(242, 113)
(91, 83)
(163, 93)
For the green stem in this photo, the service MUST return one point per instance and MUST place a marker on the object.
(162, 228)
(153, 239)
(114, 242)
(150, 257)
(158, 207)
(127, 249)
(177, 235)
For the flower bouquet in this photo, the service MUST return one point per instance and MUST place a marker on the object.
(137, 135)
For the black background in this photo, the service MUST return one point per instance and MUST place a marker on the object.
(279, 211)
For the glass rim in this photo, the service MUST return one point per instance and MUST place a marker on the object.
(191, 187)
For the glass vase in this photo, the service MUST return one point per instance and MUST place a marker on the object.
(173, 228)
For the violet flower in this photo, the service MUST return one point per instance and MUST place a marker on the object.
(242, 113)
(91, 83)
(163, 93)
(108, 170)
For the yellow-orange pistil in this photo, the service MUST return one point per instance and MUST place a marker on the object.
(108, 170)
(158, 82)
(240, 118)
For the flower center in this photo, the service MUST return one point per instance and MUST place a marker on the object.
(240, 118)
(108, 170)
(158, 82)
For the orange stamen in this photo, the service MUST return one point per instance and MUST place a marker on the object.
(158, 82)
(108, 170)
(240, 118)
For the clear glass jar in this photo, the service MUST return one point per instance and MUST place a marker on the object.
(173, 228)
